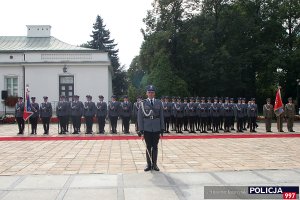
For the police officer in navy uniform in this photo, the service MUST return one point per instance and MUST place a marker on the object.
(179, 113)
(167, 107)
(239, 115)
(135, 109)
(209, 117)
(62, 112)
(197, 118)
(185, 114)
(173, 119)
(228, 111)
(252, 114)
(89, 112)
(19, 111)
(192, 112)
(215, 111)
(151, 125)
(126, 112)
(113, 113)
(101, 113)
(46, 114)
(203, 113)
(33, 119)
(221, 117)
(76, 113)
(245, 118)
(232, 118)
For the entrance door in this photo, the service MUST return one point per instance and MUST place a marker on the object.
(66, 87)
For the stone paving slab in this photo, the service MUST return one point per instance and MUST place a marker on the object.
(174, 185)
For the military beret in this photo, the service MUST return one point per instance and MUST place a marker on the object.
(32, 97)
(114, 96)
(101, 97)
(45, 97)
(20, 98)
(150, 88)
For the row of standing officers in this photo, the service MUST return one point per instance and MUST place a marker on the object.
(193, 114)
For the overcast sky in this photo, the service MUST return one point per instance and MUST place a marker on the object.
(72, 20)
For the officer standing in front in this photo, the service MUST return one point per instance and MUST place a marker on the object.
(268, 114)
(19, 111)
(290, 112)
(101, 113)
(46, 114)
(151, 125)
(33, 119)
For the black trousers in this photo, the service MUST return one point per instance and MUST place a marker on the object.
(76, 120)
(221, 122)
(185, 122)
(89, 124)
(227, 123)
(167, 123)
(63, 123)
(125, 121)
(179, 123)
(173, 123)
(33, 121)
(209, 122)
(252, 123)
(239, 124)
(192, 120)
(151, 140)
(198, 123)
(113, 122)
(215, 121)
(203, 123)
(46, 121)
(244, 123)
(21, 124)
(101, 122)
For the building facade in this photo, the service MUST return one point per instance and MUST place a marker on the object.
(51, 67)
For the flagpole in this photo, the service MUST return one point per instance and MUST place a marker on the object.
(28, 127)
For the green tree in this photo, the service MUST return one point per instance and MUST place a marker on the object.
(101, 40)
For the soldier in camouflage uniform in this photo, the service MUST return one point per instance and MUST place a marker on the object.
(268, 112)
(290, 112)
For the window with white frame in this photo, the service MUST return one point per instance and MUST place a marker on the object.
(12, 85)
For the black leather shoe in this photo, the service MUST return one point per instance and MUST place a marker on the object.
(147, 168)
(155, 168)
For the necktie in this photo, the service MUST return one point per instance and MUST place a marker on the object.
(151, 101)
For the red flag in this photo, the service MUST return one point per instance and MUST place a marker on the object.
(27, 110)
(278, 107)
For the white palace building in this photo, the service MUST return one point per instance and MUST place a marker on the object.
(51, 67)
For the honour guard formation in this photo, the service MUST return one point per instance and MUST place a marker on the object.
(180, 115)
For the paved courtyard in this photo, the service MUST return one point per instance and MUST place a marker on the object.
(113, 169)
